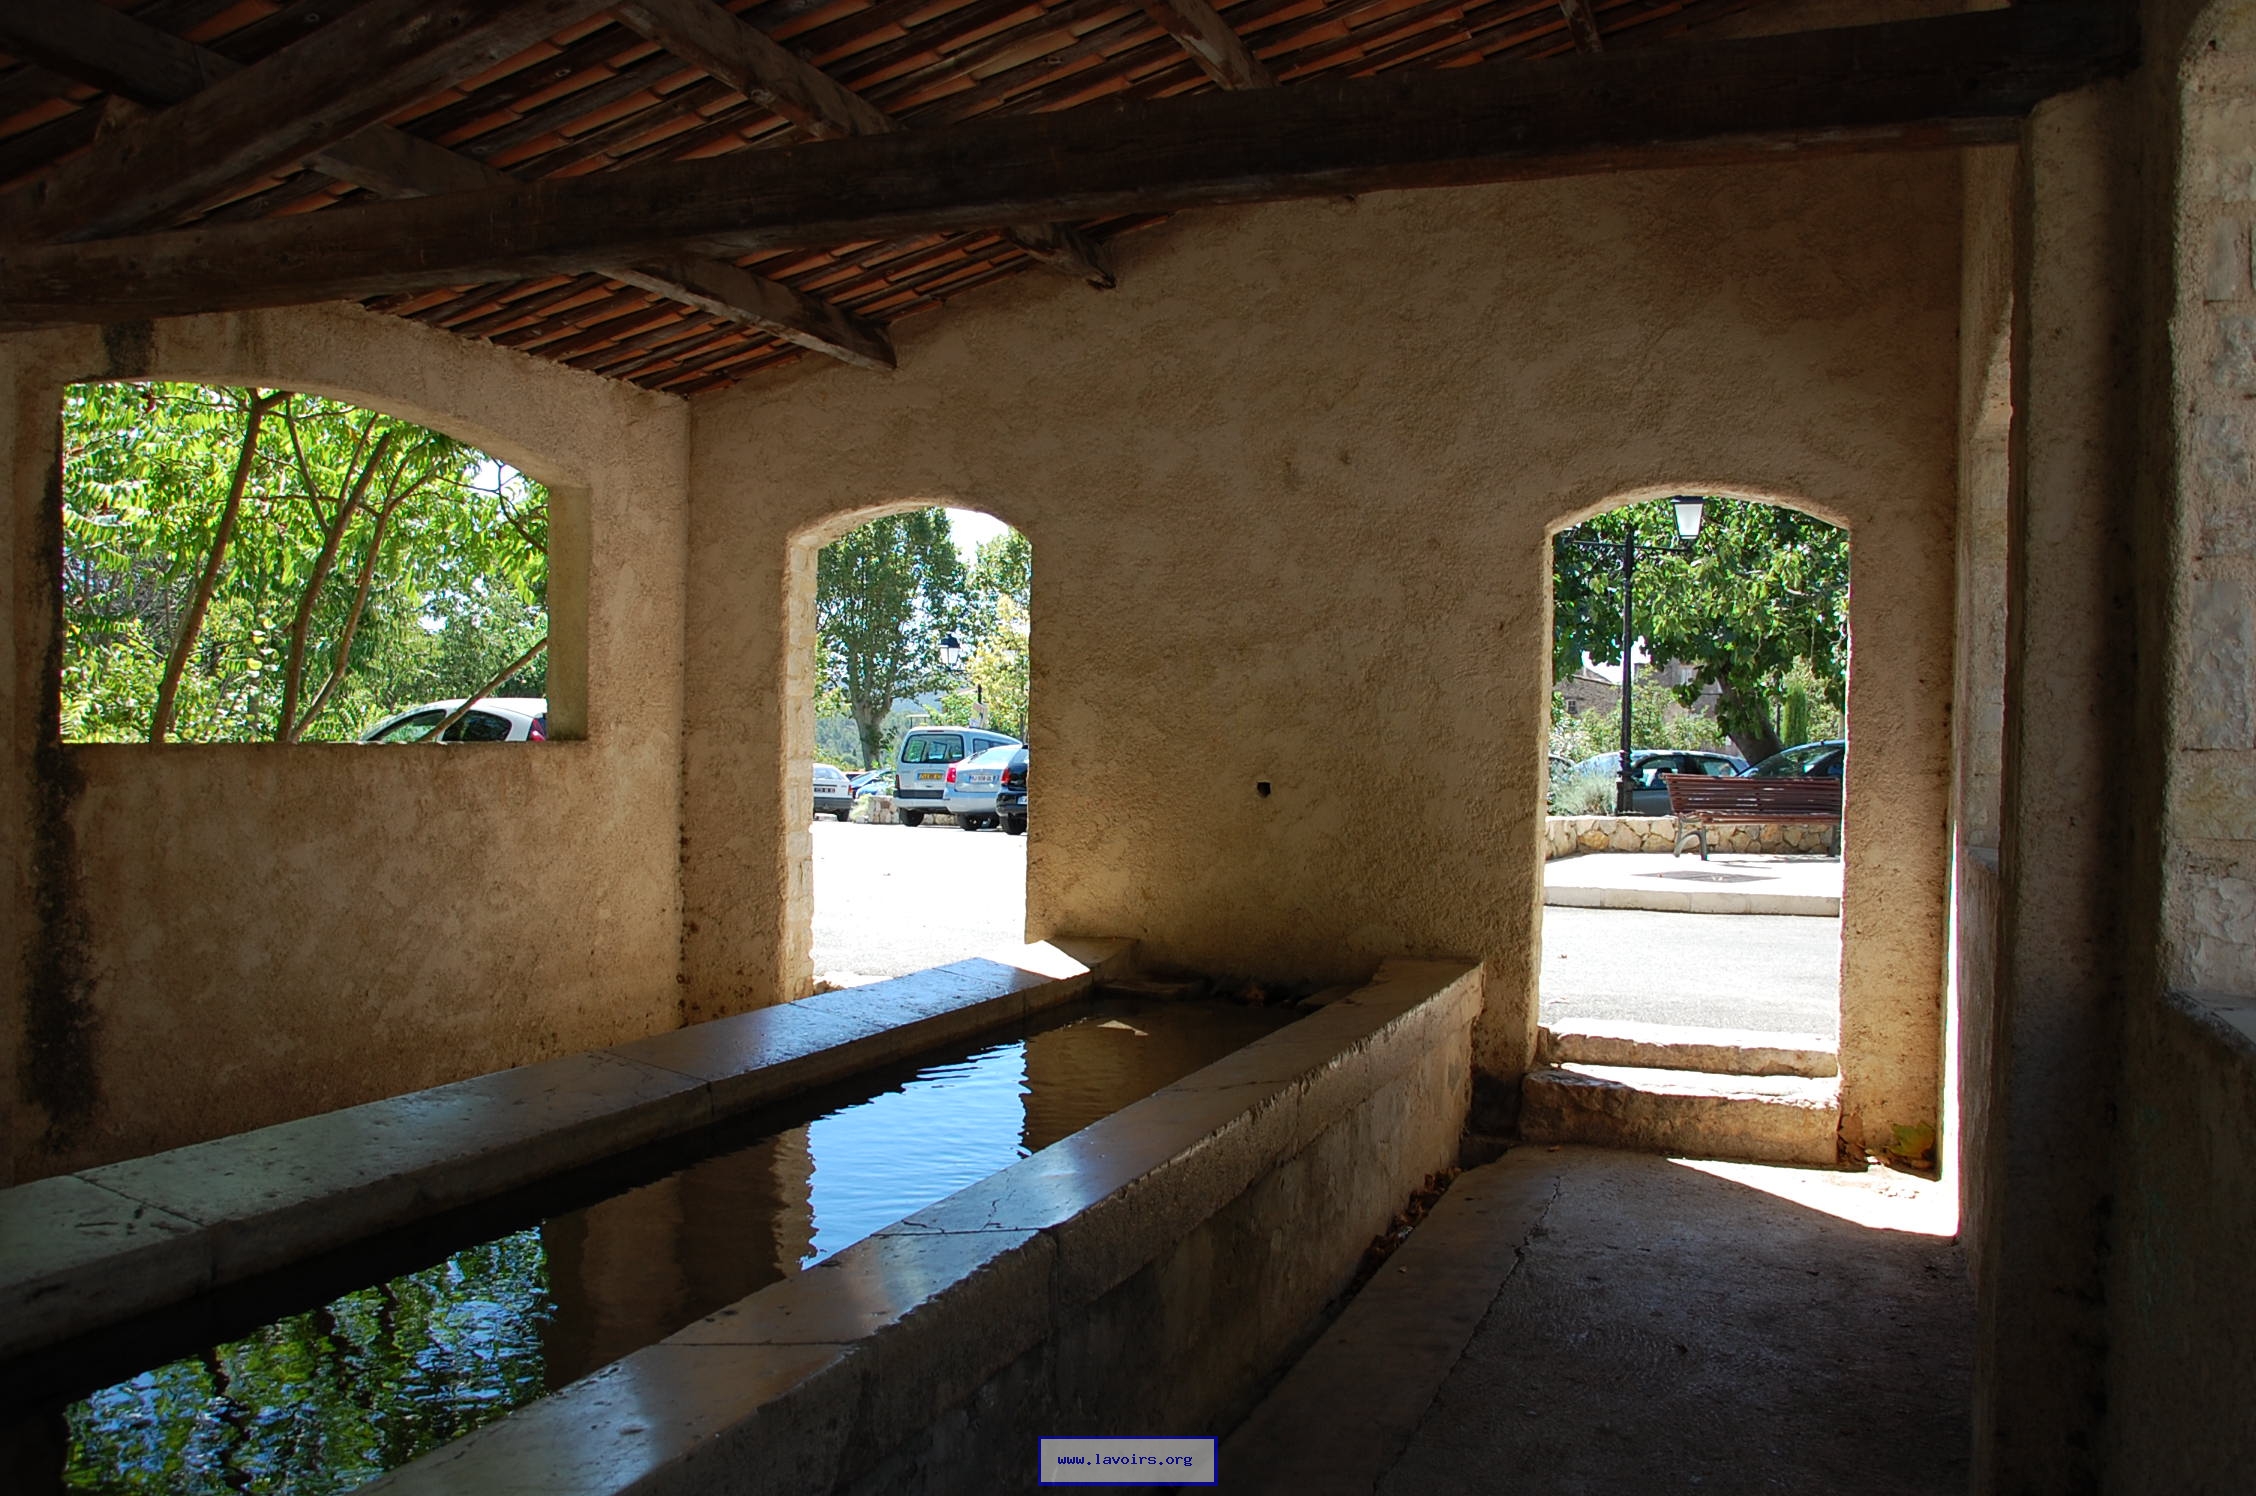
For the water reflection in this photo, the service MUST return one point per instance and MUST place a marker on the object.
(324, 1400)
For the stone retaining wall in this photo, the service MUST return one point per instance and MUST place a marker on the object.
(1566, 836)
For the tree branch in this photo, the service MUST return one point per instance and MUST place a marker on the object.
(485, 690)
(288, 729)
(168, 693)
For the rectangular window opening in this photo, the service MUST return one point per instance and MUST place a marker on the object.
(248, 565)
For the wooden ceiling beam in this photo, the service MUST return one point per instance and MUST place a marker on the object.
(132, 60)
(349, 74)
(1940, 82)
(770, 74)
(1582, 22)
(1212, 44)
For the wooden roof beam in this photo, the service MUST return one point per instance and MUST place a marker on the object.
(314, 92)
(133, 60)
(1211, 43)
(770, 74)
(1940, 82)
(1582, 21)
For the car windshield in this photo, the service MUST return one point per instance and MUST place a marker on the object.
(993, 758)
(933, 748)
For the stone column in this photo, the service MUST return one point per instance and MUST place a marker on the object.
(2069, 663)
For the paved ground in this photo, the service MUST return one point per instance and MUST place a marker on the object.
(1577, 1322)
(1727, 883)
(1780, 973)
(890, 900)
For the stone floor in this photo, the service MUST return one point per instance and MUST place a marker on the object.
(1727, 883)
(1576, 1322)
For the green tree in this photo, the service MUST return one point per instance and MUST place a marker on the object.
(262, 564)
(1762, 598)
(997, 629)
(884, 594)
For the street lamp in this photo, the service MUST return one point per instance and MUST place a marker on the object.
(1691, 513)
(952, 654)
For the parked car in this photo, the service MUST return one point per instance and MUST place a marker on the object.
(920, 766)
(1648, 796)
(833, 795)
(971, 786)
(495, 719)
(1010, 800)
(870, 782)
(1828, 759)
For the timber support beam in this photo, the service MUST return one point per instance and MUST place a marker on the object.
(1947, 81)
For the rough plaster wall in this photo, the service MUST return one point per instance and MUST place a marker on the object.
(2181, 1373)
(1978, 708)
(2069, 680)
(1290, 490)
(263, 932)
(2210, 897)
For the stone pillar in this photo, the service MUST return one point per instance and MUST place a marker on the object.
(2069, 663)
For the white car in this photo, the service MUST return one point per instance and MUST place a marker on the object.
(833, 795)
(495, 719)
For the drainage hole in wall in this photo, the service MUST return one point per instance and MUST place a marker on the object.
(1261, 788)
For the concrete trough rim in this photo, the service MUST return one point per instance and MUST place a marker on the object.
(72, 1262)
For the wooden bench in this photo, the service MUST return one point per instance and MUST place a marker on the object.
(1699, 801)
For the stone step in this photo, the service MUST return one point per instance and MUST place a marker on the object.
(1777, 1119)
(1669, 1046)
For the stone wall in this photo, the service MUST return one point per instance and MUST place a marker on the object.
(1565, 836)
(1292, 527)
(217, 937)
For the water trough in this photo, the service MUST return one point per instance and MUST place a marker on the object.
(1153, 1265)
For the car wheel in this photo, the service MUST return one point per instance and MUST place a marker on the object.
(1014, 825)
(912, 817)
(842, 814)
(971, 823)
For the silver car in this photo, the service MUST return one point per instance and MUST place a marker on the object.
(969, 794)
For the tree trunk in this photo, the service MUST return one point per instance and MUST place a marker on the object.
(168, 693)
(289, 728)
(1745, 717)
(869, 722)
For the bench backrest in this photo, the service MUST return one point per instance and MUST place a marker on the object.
(1694, 794)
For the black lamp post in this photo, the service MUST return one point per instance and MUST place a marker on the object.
(952, 654)
(1691, 513)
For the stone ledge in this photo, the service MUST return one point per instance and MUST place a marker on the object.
(1668, 1046)
(1774, 1119)
(81, 1251)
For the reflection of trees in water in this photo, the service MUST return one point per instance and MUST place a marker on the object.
(326, 1400)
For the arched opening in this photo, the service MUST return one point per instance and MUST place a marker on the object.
(914, 623)
(251, 564)
(1698, 750)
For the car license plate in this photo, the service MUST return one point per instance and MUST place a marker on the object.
(927, 778)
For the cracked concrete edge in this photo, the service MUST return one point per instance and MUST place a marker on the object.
(1346, 1410)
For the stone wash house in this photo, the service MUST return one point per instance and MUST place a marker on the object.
(1334, 314)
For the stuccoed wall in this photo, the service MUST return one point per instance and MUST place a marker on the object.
(1290, 490)
(218, 937)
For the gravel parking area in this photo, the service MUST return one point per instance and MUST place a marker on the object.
(890, 900)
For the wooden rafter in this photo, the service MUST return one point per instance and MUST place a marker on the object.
(1211, 43)
(1583, 22)
(313, 93)
(131, 60)
(772, 75)
(1946, 81)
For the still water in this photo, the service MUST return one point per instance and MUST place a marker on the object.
(325, 1398)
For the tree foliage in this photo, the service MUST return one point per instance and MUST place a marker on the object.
(884, 594)
(244, 565)
(1760, 605)
(998, 633)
